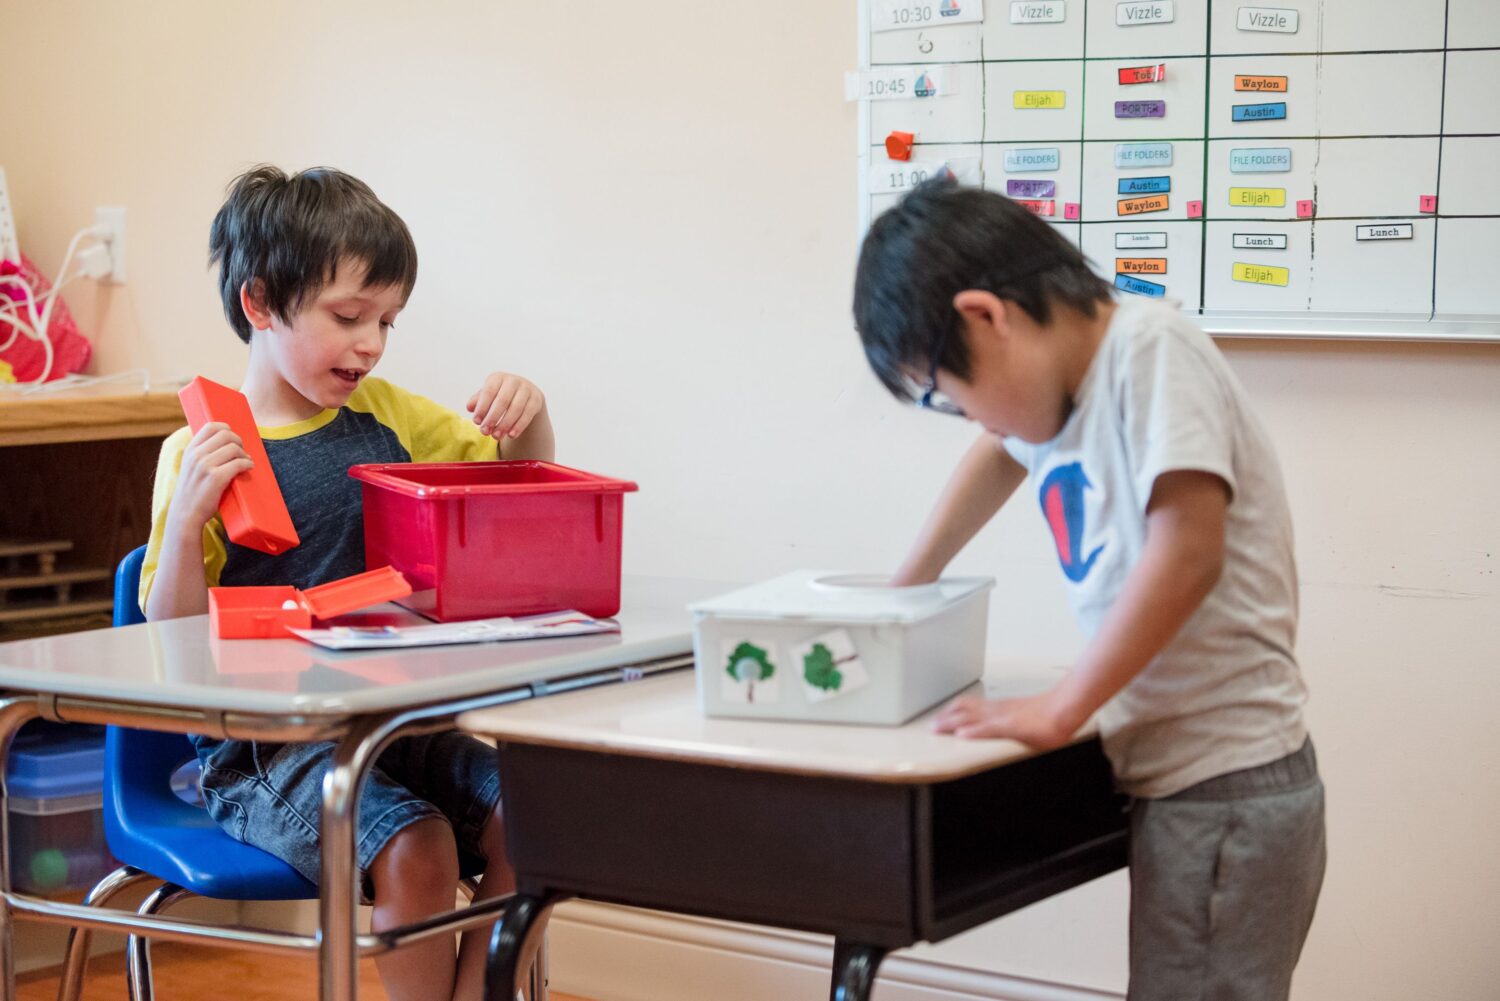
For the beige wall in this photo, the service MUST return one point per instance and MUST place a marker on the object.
(649, 209)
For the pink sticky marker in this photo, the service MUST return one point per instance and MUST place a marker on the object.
(1305, 209)
(1195, 210)
(1072, 211)
(1427, 203)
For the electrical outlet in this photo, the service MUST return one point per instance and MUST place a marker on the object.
(112, 219)
(10, 247)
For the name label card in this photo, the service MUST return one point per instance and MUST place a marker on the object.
(1260, 274)
(1130, 283)
(1140, 241)
(1144, 185)
(1384, 231)
(1039, 159)
(1140, 109)
(1260, 84)
(1260, 160)
(1260, 241)
(1258, 112)
(1021, 188)
(1143, 74)
(1282, 19)
(1023, 12)
(1143, 154)
(1132, 12)
(1040, 100)
(1140, 206)
(1141, 265)
(1257, 198)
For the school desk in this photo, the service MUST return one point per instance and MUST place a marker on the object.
(879, 836)
(173, 676)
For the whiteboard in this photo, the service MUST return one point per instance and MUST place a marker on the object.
(1313, 168)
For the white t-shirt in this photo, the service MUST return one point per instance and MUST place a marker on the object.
(1226, 692)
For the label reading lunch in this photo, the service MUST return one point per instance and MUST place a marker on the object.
(899, 83)
(1384, 231)
(1260, 241)
(1039, 159)
(1280, 19)
(1140, 241)
(1132, 12)
(1260, 160)
(898, 15)
(1143, 154)
(1025, 12)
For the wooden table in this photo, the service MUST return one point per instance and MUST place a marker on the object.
(77, 472)
(879, 836)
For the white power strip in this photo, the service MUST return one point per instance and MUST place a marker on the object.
(10, 247)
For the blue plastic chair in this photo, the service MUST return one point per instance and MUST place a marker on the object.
(158, 837)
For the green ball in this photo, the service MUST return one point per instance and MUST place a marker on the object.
(49, 869)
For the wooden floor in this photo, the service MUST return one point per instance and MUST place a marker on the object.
(185, 972)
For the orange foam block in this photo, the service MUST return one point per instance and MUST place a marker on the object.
(240, 613)
(252, 508)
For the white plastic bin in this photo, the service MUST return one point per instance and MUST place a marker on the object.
(839, 648)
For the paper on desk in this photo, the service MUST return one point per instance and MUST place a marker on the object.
(532, 627)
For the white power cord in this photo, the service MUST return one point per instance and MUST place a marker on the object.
(37, 329)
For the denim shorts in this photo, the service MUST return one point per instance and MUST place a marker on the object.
(270, 795)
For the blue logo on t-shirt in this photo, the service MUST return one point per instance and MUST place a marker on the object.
(1062, 504)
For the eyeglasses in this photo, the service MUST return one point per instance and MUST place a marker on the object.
(931, 399)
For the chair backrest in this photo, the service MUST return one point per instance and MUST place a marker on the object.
(138, 764)
(128, 588)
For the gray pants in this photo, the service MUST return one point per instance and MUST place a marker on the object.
(1224, 877)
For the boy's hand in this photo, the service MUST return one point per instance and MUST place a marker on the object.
(506, 405)
(1032, 720)
(215, 456)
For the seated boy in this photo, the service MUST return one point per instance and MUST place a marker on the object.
(313, 270)
(1165, 500)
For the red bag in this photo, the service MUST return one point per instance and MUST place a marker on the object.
(26, 357)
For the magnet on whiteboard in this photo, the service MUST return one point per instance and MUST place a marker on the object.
(1305, 209)
(898, 145)
(1427, 203)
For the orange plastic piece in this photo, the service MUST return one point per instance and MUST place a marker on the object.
(244, 613)
(898, 145)
(252, 508)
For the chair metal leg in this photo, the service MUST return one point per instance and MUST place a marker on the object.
(138, 947)
(75, 965)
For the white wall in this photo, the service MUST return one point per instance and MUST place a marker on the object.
(649, 209)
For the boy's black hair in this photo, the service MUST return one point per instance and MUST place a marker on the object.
(292, 231)
(938, 241)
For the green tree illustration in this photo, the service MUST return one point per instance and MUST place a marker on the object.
(749, 664)
(819, 670)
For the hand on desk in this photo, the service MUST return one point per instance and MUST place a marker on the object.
(1032, 720)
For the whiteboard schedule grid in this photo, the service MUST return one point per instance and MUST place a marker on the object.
(1325, 168)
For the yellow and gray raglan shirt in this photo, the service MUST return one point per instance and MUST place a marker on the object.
(311, 459)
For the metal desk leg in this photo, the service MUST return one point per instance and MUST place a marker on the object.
(516, 944)
(15, 711)
(854, 969)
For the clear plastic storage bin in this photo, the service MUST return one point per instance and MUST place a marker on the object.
(56, 780)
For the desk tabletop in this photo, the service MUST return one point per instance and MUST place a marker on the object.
(659, 718)
(178, 664)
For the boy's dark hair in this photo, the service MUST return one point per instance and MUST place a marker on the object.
(292, 231)
(938, 241)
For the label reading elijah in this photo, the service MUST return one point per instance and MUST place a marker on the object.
(1133, 12)
(1031, 12)
(1260, 274)
(1280, 19)
(1257, 198)
(1040, 100)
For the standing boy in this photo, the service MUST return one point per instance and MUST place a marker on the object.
(1165, 501)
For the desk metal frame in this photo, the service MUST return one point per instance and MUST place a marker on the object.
(360, 739)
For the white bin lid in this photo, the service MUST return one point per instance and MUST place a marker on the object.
(843, 597)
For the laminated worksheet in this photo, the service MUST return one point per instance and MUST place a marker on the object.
(531, 627)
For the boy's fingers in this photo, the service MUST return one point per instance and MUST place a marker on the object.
(224, 454)
(515, 414)
(497, 410)
(533, 407)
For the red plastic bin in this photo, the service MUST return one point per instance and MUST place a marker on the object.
(484, 539)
